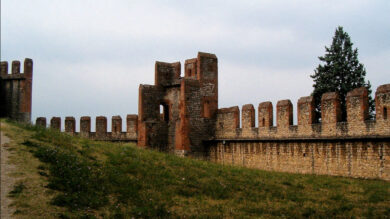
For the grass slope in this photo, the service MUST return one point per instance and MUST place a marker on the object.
(98, 179)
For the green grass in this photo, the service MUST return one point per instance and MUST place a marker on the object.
(113, 180)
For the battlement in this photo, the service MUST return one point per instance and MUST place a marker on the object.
(382, 102)
(167, 74)
(228, 121)
(181, 115)
(16, 90)
(356, 126)
(306, 108)
(191, 68)
(101, 133)
(356, 148)
(15, 69)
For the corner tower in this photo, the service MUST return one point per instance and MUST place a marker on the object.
(16, 91)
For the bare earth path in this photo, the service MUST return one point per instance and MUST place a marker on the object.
(7, 182)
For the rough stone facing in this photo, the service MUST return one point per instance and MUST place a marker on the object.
(356, 148)
(265, 114)
(284, 116)
(353, 158)
(228, 121)
(306, 115)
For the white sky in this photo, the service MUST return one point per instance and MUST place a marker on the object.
(90, 56)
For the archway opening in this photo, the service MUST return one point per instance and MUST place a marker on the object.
(164, 112)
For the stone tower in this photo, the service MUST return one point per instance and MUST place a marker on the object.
(16, 90)
(189, 106)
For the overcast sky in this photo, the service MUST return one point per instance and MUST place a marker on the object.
(90, 56)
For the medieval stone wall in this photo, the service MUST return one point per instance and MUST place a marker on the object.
(358, 147)
(101, 133)
(368, 158)
(191, 124)
(16, 90)
(357, 124)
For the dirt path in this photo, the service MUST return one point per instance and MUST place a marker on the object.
(7, 182)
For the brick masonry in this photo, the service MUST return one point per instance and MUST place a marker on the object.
(16, 91)
(354, 158)
(190, 123)
(356, 148)
(189, 104)
(116, 134)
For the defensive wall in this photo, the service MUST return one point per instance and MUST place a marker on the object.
(191, 124)
(16, 90)
(101, 133)
(357, 147)
(189, 110)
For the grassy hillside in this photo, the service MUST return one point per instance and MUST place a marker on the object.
(68, 177)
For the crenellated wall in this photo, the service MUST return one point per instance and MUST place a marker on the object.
(101, 132)
(358, 147)
(357, 124)
(16, 90)
(191, 124)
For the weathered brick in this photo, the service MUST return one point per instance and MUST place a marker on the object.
(16, 91)
(70, 125)
(190, 123)
(41, 121)
(101, 127)
(85, 126)
(55, 123)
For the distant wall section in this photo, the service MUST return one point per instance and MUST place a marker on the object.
(101, 133)
(16, 91)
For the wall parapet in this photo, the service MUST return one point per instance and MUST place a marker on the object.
(330, 126)
(101, 132)
(228, 121)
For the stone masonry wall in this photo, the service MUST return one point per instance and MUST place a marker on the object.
(356, 126)
(356, 148)
(353, 158)
(191, 124)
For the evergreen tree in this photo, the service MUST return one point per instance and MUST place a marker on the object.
(341, 72)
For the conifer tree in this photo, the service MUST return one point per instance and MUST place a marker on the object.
(341, 72)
